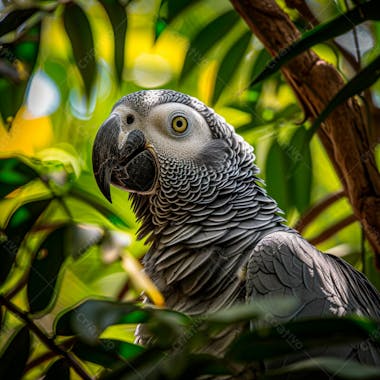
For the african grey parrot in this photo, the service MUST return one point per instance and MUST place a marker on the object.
(217, 238)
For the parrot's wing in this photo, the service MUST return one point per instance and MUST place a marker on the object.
(284, 263)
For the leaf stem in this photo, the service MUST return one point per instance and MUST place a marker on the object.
(47, 341)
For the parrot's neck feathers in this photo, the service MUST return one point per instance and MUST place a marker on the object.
(198, 241)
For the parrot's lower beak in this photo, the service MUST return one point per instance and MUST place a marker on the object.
(125, 160)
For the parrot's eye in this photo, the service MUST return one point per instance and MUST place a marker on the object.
(179, 124)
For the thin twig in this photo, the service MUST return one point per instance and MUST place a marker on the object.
(47, 341)
(48, 355)
(316, 210)
(332, 230)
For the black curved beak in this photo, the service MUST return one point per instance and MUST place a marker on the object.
(129, 163)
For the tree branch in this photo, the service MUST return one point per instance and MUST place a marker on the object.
(344, 132)
(316, 210)
(332, 230)
(47, 341)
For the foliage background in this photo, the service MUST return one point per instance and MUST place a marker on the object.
(68, 75)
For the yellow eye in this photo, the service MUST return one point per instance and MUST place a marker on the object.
(179, 124)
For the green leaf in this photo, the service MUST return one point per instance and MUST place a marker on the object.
(259, 64)
(19, 58)
(301, 169)
(254, 310)
(18, 226)
(364, 79)
(286, 339)
(79, 32)
(276, 175)
(64, 241)
(161, 25)
(90, 319)
(59, 370)
(367, 11)
(206, 38)
(229, 64)
(14, 357)
(23, 219)
(106, 352)
(44, 271)
(328, 368)
(175, 7)
(12, 20)
(13, 174)
(118, 18)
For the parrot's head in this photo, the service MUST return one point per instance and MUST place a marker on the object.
(163, 138)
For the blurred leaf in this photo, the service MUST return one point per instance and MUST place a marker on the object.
(8, 253)
(19, 59)
(364, 79)
(259, 64)
(103, 208)
(44, 271)
(301, 169)
(229, 64)
(206, 38)
(89, 319)
(175, 7)
(23, 219)
(79, 32)
(160, 27)
(288, 338)
(13, 174)
(276, 177)
(59, 370)
(144, 366)
(118, 18)
(13, 19)
(366, 11)
(14, 357)
(327, 368)
(64, 241)
(106, 352)
(254, 310)
(80, 237)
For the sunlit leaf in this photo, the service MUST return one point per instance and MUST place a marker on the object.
(265, 343)
(13, 174)
(106, 352)
(118, 18)
(366, 11)
(324, 367)
(59, 370)
(79, 32)
(301, 169)
(90, 319)
(229, 63)
(12, 20)
(276, 177)
(206, 38)
(14, 357)
(364, 79)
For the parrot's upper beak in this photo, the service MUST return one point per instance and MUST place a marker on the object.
(128, 162)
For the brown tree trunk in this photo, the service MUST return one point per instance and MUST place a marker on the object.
(343, 134)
